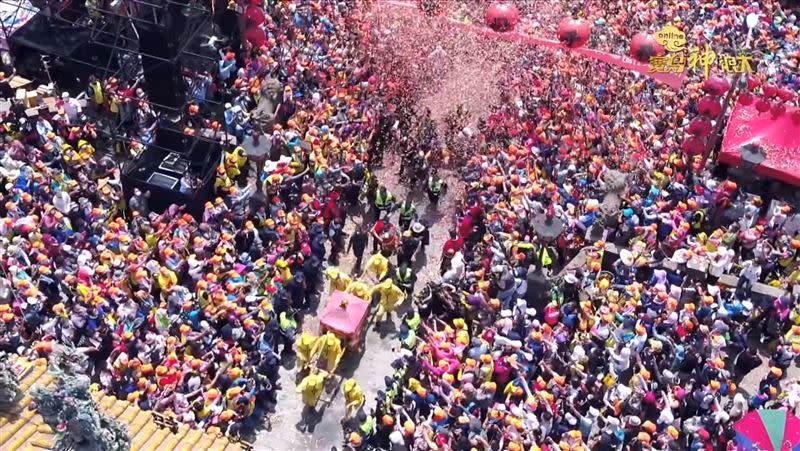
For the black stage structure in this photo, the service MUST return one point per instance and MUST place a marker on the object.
(161, 165)
(163, 43)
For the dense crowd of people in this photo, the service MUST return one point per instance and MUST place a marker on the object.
(180, 313)
(640, 347)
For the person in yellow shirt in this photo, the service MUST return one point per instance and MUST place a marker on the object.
(166, 280)
(223, 182)
(339, 281)
(378, 265)
(330, 351)
(353, 398)
(304, 346)
(390, 296)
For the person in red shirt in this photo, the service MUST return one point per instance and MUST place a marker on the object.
(456, 243)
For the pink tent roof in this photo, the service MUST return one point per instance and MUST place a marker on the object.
(778, 136)
(344, 313)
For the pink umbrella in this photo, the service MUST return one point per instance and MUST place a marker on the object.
(768, 430)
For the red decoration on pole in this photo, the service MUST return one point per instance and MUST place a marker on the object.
(644, 46)
(769, 90)
(709, 106)
(785, 94)
(255, 35)
(693, 145)
(502, 16)
(716, 86)
(753, 82)
(700, 127)
(573, 33)
(253, 15)
(763, 105)
(745, 98)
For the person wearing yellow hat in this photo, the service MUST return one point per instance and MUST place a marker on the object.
(359, 289)
(390, 297)
(310, 389)
(337, 279)
(377, 265)
(353, 398)
(304, 346)
(329, 349)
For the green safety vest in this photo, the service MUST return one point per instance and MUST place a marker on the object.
(434, 186)
(546, 260)
(410, 340)
(699, 217)
(404, 278)
(285, 322)
(413, 322)
(381, 201)
(406, 211)
(368, 426)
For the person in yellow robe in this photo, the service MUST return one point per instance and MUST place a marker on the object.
(353, 398)
(304, 345)
(378, 265)
(359, 289)
(339, 281)
(330, 351)
(389, 297)
(311, 388)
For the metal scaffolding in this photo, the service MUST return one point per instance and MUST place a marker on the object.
(115, 25)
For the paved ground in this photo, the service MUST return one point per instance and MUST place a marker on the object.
(369, 367)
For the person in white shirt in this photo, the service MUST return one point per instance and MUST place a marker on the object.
(719, 263)
(749, 275)
(71, 107)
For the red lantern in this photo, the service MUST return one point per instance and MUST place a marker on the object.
(693, 145)
(253, 15)
(573, 33)
(745, 98)
(700, 127)
(709, 106)
(763, 105)
(769, 90)
(785, 94)
(502, 16)
(255, 35)
(753, 82)
(644, 46)
(777, 109)
(716, 86)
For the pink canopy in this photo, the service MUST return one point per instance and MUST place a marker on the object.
(779, 136)
(344, 314)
